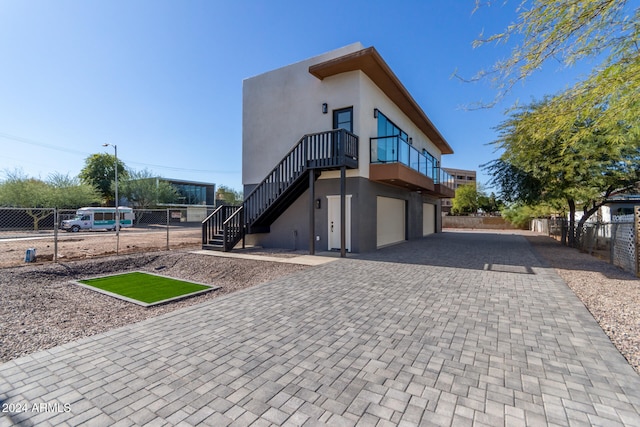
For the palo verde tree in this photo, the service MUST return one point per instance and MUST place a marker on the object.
(465, 200)
(144, 190)
(229, 196)
(470, 198)
(99, 171)
(37, 197)
(538, 167)
(568, 31)
(70, 193)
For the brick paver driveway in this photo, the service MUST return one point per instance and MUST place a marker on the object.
(455, 329)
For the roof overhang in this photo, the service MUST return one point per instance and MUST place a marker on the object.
(371, 63)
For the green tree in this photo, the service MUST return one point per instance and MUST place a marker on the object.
(229, 196)
(37, 197)
(71, 193)
(520, 214)
(99, 172)
(20, 191)
(571, 31)
(465, 200)
(489, 203)
(144, 190)
(537, 167)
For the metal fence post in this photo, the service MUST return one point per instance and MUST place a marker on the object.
(636, 236)
(55, 234)
(612, 242)
(167, 228)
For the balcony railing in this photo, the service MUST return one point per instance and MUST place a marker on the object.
(393, 149)
(446, 180)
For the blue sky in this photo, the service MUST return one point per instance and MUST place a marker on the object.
(163, 79)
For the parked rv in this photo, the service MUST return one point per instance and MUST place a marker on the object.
(98, 219)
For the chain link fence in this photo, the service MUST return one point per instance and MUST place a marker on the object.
(41, 232)
(615, 242)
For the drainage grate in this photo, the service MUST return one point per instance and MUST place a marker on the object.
(503, 268)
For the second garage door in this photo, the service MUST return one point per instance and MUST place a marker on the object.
(390, 221)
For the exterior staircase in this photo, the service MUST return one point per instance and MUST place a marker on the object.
(227, 225)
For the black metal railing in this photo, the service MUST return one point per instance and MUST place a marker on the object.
(233, 229)
(323, 150)
(333, 149)
(219, 231)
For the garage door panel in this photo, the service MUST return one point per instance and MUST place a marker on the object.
(428, 219)
(390, 221)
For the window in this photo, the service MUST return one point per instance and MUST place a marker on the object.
(191, 194)
(343, 119)
(387, 128)
(394, 145)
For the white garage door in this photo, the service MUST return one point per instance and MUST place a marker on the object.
(428, 219)
(390, 221)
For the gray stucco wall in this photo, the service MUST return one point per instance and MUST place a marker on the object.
(291, 229)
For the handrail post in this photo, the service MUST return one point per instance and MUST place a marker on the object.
(224, 237)
(341, 143)
(243, 225)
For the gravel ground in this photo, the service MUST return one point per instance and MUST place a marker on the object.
(40, 309)
(609, 293)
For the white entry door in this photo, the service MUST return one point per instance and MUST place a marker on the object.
(334, 226)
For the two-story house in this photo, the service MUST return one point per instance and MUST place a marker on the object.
(336, 155)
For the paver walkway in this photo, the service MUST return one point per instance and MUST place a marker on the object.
(456, 329)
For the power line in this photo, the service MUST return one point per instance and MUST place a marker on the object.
(41, 144)
(68, 150)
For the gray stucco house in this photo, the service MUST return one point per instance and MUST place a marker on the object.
(332, 140)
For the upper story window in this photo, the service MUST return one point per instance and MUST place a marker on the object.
(387, 128)
(394, 145)
(343, 119)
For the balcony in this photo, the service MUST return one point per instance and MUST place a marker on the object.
(396, 162)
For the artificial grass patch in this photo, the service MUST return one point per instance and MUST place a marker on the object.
(144, 288)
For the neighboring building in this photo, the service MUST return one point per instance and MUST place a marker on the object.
(195, 199)
(337, 130)
(193, 193)
(460, 177)
(619, 205)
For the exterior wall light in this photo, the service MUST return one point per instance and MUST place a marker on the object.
(375, 113)
(325, 108)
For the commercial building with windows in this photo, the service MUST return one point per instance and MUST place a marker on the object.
(337, 155)
(192, 192)
(195, 200)
(460, 177)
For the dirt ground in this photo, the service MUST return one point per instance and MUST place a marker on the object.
(90, 244)
(40, 308)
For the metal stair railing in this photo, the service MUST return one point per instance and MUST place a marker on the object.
(213, 225)
(233, 229)
(323, 150)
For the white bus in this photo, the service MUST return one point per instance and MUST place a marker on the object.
(98, 219)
